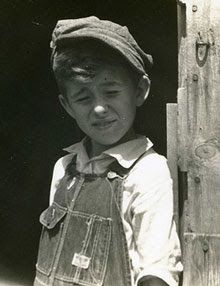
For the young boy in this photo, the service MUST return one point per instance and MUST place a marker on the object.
(110, 219)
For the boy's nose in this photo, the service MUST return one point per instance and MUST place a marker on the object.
(100, 109)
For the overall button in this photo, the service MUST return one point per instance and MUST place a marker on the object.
(112, 175)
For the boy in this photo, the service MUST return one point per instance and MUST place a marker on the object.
(110, 219)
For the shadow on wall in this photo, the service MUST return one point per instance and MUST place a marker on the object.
(34, 128)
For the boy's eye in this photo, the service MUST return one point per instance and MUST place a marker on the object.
(112, 92)
(83, 99)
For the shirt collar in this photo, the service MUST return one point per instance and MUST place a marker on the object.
(126, 153)
(78, 148)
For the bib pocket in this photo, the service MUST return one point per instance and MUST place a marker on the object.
(85, 252)
(52, 221)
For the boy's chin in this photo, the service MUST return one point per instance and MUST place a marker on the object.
(107, 143)
(111, 142)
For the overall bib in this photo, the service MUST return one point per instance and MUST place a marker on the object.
(83, 240)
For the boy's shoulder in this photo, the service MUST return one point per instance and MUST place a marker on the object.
(61, 164)
(150, 167)
(150, 158)
(71, 151)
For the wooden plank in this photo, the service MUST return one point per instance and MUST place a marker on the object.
(182, 120)
(172, 155)
(182, 129)
(203, 32)
(199, 134)
(201, 261)
(182, 45)
(182, 90)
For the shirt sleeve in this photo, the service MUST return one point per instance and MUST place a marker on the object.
(58, 173)
(154, 245)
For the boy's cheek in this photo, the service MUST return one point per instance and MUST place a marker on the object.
(76, 111)
(66, 104)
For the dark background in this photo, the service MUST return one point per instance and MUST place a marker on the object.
(33, 126)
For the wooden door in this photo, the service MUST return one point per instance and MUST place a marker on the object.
(195, 121)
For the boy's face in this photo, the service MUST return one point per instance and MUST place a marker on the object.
(104, 106)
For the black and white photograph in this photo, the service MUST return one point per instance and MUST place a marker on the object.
(110, 143)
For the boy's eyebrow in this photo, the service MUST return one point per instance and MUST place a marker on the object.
(105, 84)
(78, 93)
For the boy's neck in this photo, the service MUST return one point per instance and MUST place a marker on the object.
(95, 149)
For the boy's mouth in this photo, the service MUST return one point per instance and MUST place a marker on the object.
(103, 124)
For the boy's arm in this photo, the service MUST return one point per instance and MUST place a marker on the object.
(157, 249)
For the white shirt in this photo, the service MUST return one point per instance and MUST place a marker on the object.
(147, 205)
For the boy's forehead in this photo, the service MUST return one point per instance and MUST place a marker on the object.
(92, 57)
(105, 74)
(92, 52)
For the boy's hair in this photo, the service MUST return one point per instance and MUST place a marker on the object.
(84, 60)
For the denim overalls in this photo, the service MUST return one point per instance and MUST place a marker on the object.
(83, 240)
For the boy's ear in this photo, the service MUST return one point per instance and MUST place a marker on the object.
(143, 89)
(64, 102)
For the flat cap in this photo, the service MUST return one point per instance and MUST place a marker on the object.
(111, 34)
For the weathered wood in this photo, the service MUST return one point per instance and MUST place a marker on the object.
(182, 90)
(182, 129)
(182, 45)
(203, 33)
(199, 137)
(172, 155)
(201, 261)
